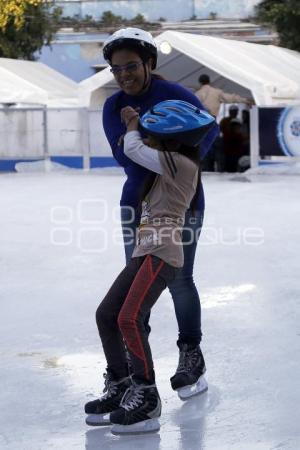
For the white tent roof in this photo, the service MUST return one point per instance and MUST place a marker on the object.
(34, 82)
(270, 74)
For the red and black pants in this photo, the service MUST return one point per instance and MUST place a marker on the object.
(121, 315)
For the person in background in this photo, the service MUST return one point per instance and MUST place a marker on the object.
(212, 97)
(246, 130)
(132, 404)
(244, 161)
(132, 54)
(235, 139)
(225, 122)
(235, 146)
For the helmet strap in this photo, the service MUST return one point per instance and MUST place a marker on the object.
(147, 78)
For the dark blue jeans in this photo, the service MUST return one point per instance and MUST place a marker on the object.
(183, 290)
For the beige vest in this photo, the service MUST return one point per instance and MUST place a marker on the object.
(164, 208)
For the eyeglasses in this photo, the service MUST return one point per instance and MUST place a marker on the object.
(130, 68)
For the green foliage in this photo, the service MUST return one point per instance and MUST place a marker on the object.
(108, 18)
(38, 22)
(139, 19)
(284, 17)
(108, 23)
(15, 10)
(37, 29)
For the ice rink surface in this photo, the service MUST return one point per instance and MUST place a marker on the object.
(60, 250)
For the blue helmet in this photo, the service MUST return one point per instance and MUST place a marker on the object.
(176, 119)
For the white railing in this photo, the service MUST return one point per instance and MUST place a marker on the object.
(40, 133)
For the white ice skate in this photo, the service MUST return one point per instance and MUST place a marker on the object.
(97, 420)
(189, 380)
(189, 391)
(139, 411)
(147, 426)
(98, 411)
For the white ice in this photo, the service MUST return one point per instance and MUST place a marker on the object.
(60, 250)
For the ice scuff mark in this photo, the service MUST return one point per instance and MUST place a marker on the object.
(222, 296)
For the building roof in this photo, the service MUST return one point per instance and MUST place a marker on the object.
(270, 74)
(35, 83)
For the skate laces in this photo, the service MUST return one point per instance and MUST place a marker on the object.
(187, 359)
(110, 387)
(133, 397)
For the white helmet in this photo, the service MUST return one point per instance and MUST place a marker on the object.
(132, 38)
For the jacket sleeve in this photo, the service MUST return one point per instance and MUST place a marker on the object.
(140, 153)
(115, 131)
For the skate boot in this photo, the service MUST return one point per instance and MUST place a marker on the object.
(98, 410)
(139, 411)
(188, 380)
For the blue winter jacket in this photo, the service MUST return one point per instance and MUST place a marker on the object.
(158, 91)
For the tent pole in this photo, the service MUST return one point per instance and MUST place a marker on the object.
(45, 139)
(254, 137)
(85, 139)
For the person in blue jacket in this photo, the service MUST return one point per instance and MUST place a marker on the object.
(132, 54)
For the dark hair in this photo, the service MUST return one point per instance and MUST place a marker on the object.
(204, 79)
(131, 38)
(145, 53)
(157, 76)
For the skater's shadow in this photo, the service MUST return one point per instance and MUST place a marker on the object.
(101, 438)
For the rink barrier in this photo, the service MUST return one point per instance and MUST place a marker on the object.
(274, 135)
(73, 137)
(75, 162)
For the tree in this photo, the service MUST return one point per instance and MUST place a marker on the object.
(15, 10)
(108, 18)
(139, 19)
(25, 26)
(284, 17)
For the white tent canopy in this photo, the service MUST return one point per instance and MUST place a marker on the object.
(35, 83)
(270, 74)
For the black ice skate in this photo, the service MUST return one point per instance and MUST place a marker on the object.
(188, 380)
(138, 412)
(98, 410)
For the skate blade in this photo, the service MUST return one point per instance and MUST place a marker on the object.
(146, 426)
(98, 420)
(192, 390)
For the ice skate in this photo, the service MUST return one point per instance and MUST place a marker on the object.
(189, 379)
(99, 410)
(139, 411)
